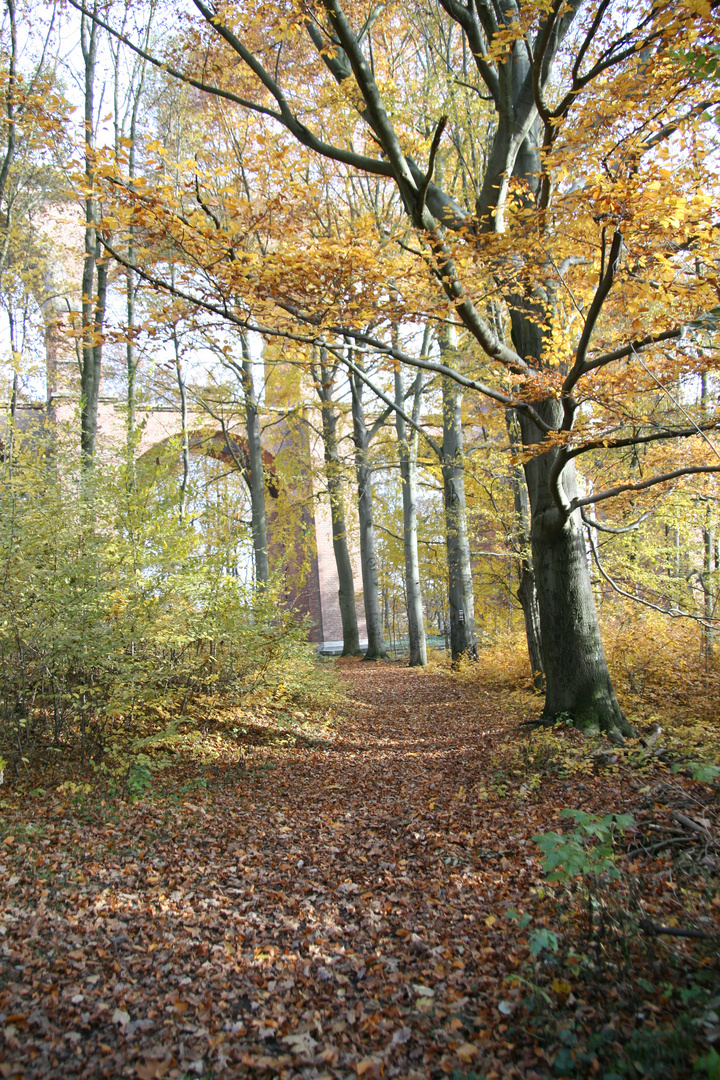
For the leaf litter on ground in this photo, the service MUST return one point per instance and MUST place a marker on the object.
(337, 907)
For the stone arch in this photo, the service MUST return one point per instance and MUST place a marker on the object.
(288, 552)
(228, 447)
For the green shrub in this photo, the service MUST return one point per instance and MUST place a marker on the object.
(112, 603)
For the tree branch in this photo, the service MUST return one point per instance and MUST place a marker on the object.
(633, 347)
(639, 599)
(592, 524)
(601, 294)
(643, 485)
(422, 193)
(373, 344)
(392, 406)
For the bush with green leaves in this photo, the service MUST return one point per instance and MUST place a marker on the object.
(587, 850)
(110, 601)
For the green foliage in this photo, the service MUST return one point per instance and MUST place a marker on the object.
(657, 1053)
(139, 779)
(111, 603)
(704, 774)
(569, 855)
(709, 1065)
(543, 940)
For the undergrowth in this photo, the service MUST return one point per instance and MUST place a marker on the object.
(123, 621)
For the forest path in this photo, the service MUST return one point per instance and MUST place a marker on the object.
(338, 909)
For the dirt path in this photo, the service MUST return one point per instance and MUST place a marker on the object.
(339, 910)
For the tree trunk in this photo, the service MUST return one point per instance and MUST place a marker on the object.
(527, 595)
(578, 680)
(130, 358)
(131, 281)
(706, 580)
(94, 276)
(463, 640)
(324, 381)
(527, 589)
(706, 577)
(184, 435)
(407, 453)
(376, 649)
(257, 475)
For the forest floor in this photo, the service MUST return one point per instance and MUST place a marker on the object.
(348, 898)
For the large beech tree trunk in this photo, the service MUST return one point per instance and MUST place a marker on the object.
(376, 649)
(407, 454)
(577, 679)
(578, 682)
(257, 475)
(324, 382)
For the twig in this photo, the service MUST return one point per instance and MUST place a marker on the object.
(659, 847)
(674, 931)
(690, 824)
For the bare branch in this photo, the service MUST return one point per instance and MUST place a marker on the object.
(392, 406)
(422, 193)
(643, 485)
(633, 347)
(677, 614)
(597, 525)
(601, 294)
(373, 344)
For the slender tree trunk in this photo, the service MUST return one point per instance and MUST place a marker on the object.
(9, 113)
(407, 453)
(325, 381)
(94, 276)
(131, 363)
(185, 441)
(463, 639)
(376, 649)
(131, 282)
(706, 578)
(578, 680)
(130, 358)
(527, 595)
(257, 474)
(527, 589)
(707, 585)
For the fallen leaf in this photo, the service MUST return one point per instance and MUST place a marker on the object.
(467, 1051)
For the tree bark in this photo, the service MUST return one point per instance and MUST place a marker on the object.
(527, 595)
(126, 126)
(94, 276)
(376, 649)
(257, 475)
(463, 639)
(407, 454)
(578, 680)
(706, 580)
(324, 382)
(184, 434)
(527, 589)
